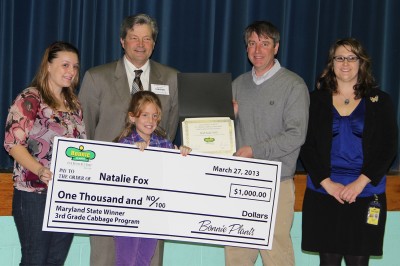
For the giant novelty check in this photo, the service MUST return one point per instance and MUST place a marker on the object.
(113, 189)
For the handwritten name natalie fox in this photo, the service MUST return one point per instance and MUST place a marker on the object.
(123, 179)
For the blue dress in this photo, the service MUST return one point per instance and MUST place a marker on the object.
(329, 226)
(347, 153)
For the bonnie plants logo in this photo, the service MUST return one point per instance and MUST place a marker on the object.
(79, 154)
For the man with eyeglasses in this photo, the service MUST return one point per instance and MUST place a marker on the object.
(271, 108)
(105, 95)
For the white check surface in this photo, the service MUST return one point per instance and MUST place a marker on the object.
(158, 193)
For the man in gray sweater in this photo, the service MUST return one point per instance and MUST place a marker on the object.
(271, 108)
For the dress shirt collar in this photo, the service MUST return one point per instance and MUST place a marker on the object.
(144, 77)
(267, 75)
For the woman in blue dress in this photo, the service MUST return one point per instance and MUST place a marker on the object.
(350, 145)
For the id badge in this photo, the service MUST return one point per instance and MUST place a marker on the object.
(374, 210)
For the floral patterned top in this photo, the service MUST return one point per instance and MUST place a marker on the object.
(33, 124)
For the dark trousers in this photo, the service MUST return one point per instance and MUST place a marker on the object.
(38, 247)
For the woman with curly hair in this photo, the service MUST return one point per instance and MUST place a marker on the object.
(350, 145)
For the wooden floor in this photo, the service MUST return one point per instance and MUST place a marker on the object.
(392, 191)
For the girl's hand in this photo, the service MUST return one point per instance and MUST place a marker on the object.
(185, 150)
(45, 175)
(141, 145)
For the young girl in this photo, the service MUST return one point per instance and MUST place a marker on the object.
(141, 129)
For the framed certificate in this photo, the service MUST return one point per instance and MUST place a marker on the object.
(214, 135)
(206, 112)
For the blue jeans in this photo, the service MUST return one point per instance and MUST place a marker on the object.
(37, 247)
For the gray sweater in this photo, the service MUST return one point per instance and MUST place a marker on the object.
(272, 117)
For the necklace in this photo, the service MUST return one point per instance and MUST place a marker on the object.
(346, 100)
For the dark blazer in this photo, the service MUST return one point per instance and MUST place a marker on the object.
(379, 141)
(105, 97)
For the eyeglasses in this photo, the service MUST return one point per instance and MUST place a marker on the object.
(351, 58)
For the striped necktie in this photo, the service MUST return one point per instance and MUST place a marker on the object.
(137, 84)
